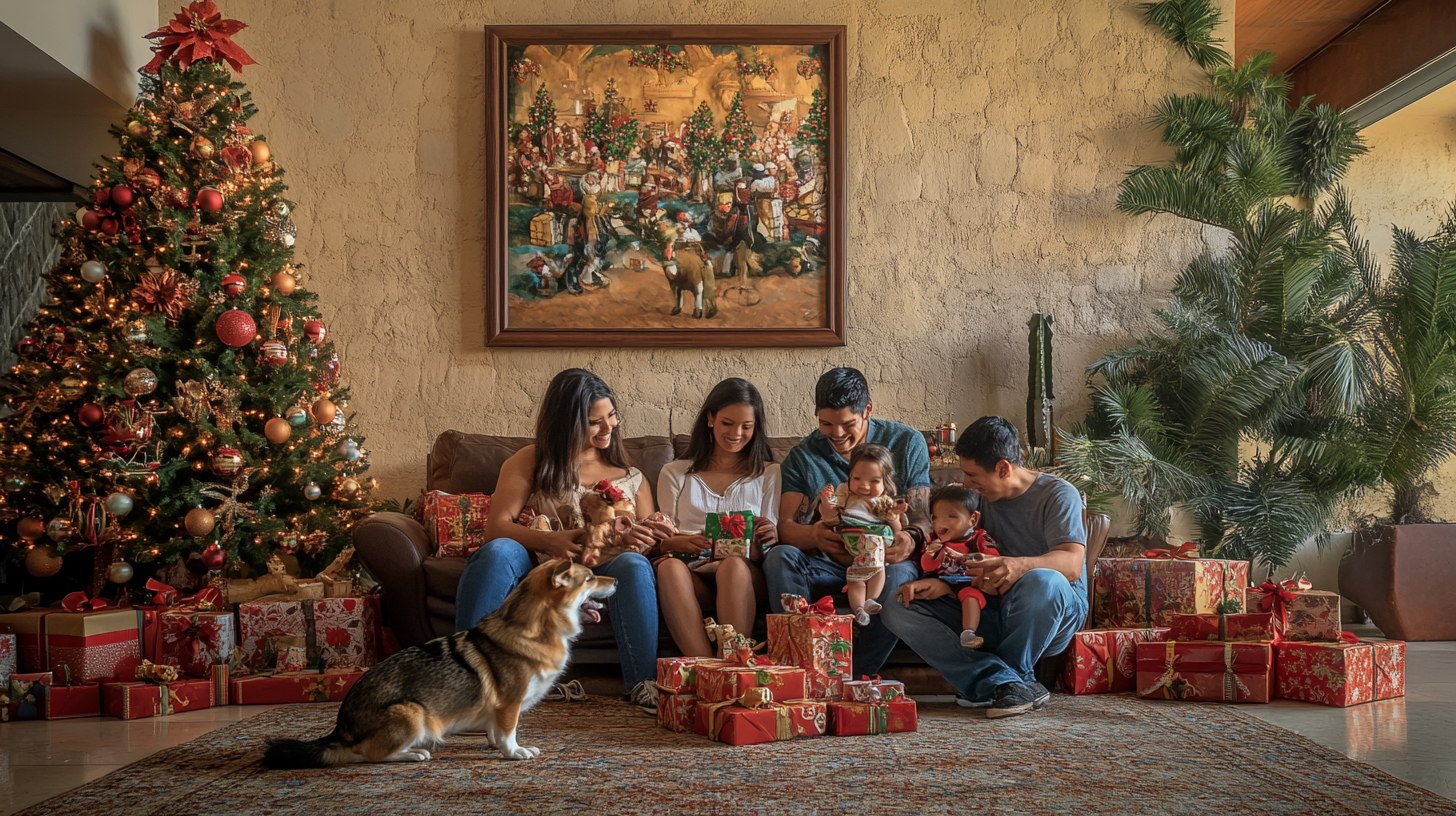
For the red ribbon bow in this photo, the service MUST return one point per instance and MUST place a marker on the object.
(1297, 585)
(1349, 637)
(734, 524)
(1273, 598)
(78, 601)
(1183, 552)
(796, 605)
(165, 594)
(197, 646)
(746, 658)
(605, 490)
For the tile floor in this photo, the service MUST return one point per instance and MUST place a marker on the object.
(1413, 738)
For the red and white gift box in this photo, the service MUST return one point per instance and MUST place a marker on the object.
(89, 642)
(679, 675)
(1104, 661)
(816, 640)
(1345, 673)
(1140, 593)
(1300, 613)
(454, 523)
(194, 641)
(8, 654)
(341, 632)
(677, 712)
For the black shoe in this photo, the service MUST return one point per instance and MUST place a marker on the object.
(1013, 699)
(1042, 696)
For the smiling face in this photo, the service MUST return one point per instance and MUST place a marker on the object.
(601, 421)
(733, 427)
(951, 520)
(867, 479)
(991, 484)
(844, 428)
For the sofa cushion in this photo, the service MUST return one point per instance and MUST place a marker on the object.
(471, 463)
(442, 577)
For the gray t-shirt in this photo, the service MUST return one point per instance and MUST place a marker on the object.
(1047, 514)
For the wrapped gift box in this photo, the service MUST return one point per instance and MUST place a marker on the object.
(1104, 661)
(867, 545)
(1344, 673)
(194, 641)
(135, 699)
(1389, 666)
(71, 702)
(339, 632)
(816, 640)
(718, 684)
(730, 533)
(24, 697)
(1205, 672)
(1300, 613)
(302, 687)
(677, 712)
(1248, 627)
(220, 683)
(847, 719)
(730, 722)
(454, 523)
(25, 627)
(1139, 593)
(679, 675)
(8, 654)
(89, 645)
(257, 622)
(867, 690)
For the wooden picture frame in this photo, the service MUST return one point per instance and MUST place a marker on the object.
(563, 223)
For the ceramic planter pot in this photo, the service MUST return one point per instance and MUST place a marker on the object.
(1402, 576)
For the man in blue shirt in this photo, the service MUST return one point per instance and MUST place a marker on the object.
(799, 564)
(1036, 588)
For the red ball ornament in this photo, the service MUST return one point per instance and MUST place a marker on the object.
(236, 328)
(109, 226)
(90, 415)
(90, 221)
(209, 200)
(233, 285)
(314, 330)
(227, 461)
(122, 196)
(27, 346)
(273, 353)
(214, 557)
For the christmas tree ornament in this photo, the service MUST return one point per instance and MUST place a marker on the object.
(137, 129)
(202, 147)
(349, 488)
(122, 196)
(214, 557)
(27, 346)
(323, 411)
(136, 332)
(314, 330)
(110, 226)
(93, 520)
(236, 328)
(119, 572)
(93, 271)
(72, 387)
(60, 528)
(145, 180)
(119, 504)
(284, 283)
(199, 522)
(42, 561)
(234, 284)
(30, 528)
(277, 430)
(127, 425)
(226, 461)
(89, 219)
(273, 353)
(162, 292)
(90, 415)
(260, 151)
(209, 200)
(296, 416)
(349, 449)
(197, 33)
(311, 491)
(140, 382)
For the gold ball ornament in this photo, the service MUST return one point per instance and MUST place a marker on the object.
(202, 147)
(277, 430)
(349, 488)
(261, 153)
(119, 572)
(284, 283)
(30, 528)
(324, 411)
(137, 129)
(140, 382)
(42, 562)
(199, 522)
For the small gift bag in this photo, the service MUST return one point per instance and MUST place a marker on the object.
(730, 533)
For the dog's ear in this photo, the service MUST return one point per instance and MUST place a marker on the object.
(561, 574)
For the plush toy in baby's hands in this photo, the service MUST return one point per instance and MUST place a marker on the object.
(609, 517)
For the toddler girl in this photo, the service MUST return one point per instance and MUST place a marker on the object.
(867, 501)
(953, 518)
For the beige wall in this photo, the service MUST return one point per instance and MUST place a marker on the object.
(986, 140)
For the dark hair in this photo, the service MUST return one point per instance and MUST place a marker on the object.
(842, 388)
(880, 455)
(732, 391)
(988, 440)
(957, 494)
(561, 431)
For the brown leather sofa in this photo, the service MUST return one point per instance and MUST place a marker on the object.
(419, 589)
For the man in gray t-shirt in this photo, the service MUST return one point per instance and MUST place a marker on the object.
(1036, 588)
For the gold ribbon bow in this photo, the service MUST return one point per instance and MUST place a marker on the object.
(755, 699)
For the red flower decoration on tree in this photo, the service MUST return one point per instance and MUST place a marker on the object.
(196, 34)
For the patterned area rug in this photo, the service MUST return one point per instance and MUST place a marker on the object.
(1110, 754)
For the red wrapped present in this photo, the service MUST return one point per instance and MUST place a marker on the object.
(454, 523)
(816, 640)
(87, 637)
(1344, 673)
(755, 722)
(71, 702)
(194, 641)
(730, 533)
(871, 690)
(847, 719)
(303, 687)
(1205, 672)
(1246, 627)
(348, 632)
(730, 680)
(24, 696)
(679, 675)
(677, 712)
(1138, 593)
(135, 699)
(1104, 661)
(25, 626)
(1300, 613)
(8, 653)
(1389, 660)
(259, 621)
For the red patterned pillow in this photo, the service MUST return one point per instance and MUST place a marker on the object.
(454, 523)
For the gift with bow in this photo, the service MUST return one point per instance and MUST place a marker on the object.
(1244, 627)
(744, 671)
(194, 640)
(755, 718)
(872, 690)
(88, 636)
(1104, 661)
(1143, 593)
(1346, 672)
(731, 534)
(679, 675)
(816, 640)
(158, 690)
(1205, 672)
(1300, 612)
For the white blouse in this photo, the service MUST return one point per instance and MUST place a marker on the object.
(688, 500)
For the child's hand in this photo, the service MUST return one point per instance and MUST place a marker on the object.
(901, 507)
(826, 495)
(923, 590)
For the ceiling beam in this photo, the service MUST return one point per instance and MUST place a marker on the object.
(1398, 53)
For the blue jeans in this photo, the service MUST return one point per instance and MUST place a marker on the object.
(495, 569)
(1037, 617)
(789, 569)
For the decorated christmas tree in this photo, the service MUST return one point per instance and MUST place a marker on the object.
(737, 129)
(815, 128)
(542, 116)
(178, 393)
(705, 150)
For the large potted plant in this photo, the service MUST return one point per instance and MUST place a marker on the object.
(1401, 569)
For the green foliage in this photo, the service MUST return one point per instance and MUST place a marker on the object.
(705, 150)
(1190, 25)
(542, 115)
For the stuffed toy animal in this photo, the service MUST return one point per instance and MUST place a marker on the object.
(609, 514)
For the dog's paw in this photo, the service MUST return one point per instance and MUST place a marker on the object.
(414, 755)
(522, 752)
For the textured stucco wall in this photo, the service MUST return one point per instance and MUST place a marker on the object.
(986, 140)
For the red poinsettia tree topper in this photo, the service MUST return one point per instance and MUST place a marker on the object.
(198, 33)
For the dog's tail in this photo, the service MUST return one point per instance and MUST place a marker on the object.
(289, 754)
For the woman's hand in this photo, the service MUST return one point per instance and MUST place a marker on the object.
(635, 536)
(686, 543)
(561, 544)
(765, 533)
(660, 526)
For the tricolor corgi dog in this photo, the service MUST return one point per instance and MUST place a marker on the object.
(481, 679)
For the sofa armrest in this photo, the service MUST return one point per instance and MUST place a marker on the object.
(392, 546)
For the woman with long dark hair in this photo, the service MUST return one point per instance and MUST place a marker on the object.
(728, 468)
(576, 447)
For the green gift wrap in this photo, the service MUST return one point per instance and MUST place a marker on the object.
(731, 533)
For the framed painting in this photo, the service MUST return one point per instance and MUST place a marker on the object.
(665, 187)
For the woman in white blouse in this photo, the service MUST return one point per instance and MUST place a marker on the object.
(728, 468)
